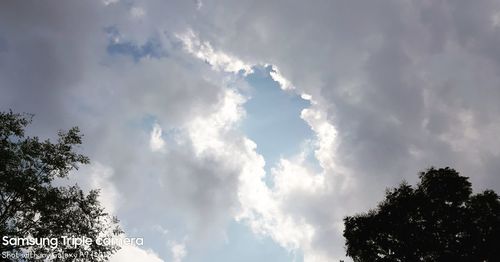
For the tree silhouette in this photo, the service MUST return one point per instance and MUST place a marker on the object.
(31, 206)
(438, 220)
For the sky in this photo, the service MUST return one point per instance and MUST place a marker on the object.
(247, 130)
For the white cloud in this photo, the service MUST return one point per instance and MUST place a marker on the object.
(281, 212)
(100, 177)
(220, 61)
(156, 142)
(278, 77)
(178, 251)
(326, 136)
(265, 209)
(133, 253)
(209, 132)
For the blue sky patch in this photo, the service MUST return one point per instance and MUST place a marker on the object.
(244, 246)
(273, 118)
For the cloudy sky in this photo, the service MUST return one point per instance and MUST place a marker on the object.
(246, 130)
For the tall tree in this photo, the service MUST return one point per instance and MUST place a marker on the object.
(438, 220)
(32, 207)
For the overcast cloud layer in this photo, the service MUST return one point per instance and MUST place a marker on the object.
(158, 89)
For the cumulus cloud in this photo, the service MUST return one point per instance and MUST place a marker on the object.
(398, 86)
(100, 176)
(178, 251)
(394, 86)
(64, 72)
(217, 59)
(156, 142)
(380, 74)
(278, 77)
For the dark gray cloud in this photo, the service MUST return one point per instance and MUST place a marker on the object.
(395, 76)
(407, 84)
(55, 63)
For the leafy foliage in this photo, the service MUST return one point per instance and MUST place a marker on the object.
(31, 206)
(438, 220)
